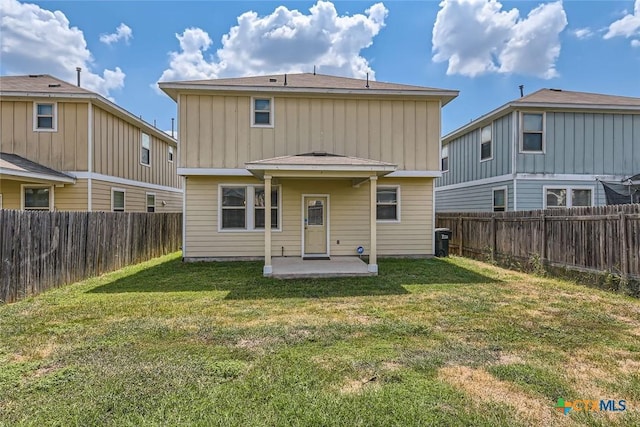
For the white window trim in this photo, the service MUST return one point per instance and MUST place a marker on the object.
(569, 189)
(35, 116)
(141, 147)
(124, 207)
(490, 126)
(146, 201)
(271, 112)
(398, 210)
(51, 196)
(506, 198)
(446, 147)
(544, 132)
(170, 154)
(249, 206)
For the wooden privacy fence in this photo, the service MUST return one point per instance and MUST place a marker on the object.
(40, 250)
(591, 239)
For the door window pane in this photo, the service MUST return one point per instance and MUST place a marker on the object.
(315, 210)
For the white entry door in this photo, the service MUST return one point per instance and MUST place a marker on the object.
(315, 225)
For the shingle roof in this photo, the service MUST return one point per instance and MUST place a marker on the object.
(319, 159)
(557, 96)
(39, 83)
(14, 164)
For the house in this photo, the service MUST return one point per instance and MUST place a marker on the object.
(66, 148)
(544, 150)
(307, 165)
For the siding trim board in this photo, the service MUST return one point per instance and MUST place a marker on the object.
(483, 181)
(124, 181)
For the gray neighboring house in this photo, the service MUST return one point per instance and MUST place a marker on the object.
(544, 150)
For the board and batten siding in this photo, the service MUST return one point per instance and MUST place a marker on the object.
(531, 192)
(464, 155)
(135, 197)
(216, 132)
(589, 143)
(348, 219)
(472, 198)
(117, 149)
(64, 149)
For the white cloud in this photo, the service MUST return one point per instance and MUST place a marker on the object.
(477, 37)
(583, 33)
(284, 41)
(39, 41)
(627, 26)
(123, 32)
(635, 43)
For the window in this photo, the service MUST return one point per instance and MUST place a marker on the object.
(262, 112)
(151, 202)
(234, 200)
(500, 199)
(485, 143)
(387, 204)
(171, 154)
(445, 158)
(117, 200)
(532, 132)
(45, 117)
(568, 197)
(37, 198)
(145, 150)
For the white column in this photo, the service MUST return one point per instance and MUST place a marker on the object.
(268, 269)
(373, 246)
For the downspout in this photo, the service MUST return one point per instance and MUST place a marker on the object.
(90, 157)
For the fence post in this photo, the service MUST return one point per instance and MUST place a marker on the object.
(461, 234)
(624, 258)
(543, 238)
(493, 237)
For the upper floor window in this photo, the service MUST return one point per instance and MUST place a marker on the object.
(171, 154)
(568, 197)
(145, 149)
(532, 132)
(485, 143)
(262, 112)
(500, 199)
(445, 158)
(45, 116)
(388, 204)
(37, 198)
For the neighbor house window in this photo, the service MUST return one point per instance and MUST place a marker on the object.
(568, 197)
(500, 199)
(37, 198)
(485, 143)
(45, 116)
(117, 200)
(445, 158)
(388, 204)
(151, 202)
(262, 112)
(532, 132)
(234, 214)
(145, 152)
(171, 154)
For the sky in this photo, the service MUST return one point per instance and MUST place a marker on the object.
(483, 48)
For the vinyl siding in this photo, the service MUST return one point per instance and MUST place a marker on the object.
(62, 150)
(589, 143)
(117, 147)
(10, 191)
(70, 197)
(348, 219)
(472, 198)
(215, 130)
(531, 193)
(464, 155)
(135, 197)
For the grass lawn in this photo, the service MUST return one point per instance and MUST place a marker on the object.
(428, 342)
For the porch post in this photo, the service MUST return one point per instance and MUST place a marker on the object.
(373, 251)
(268, 269)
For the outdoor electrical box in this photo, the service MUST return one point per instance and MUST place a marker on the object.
(443, 235)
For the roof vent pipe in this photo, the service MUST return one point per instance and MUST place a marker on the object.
(314, 70)
(285, 79)
(367, 85)
(521, 87)
(78, 70)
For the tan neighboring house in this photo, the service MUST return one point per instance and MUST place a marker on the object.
(306, 165)
(65, 148)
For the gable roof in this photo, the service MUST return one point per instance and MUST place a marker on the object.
(307, 83)
(552, 99)
(47, 86)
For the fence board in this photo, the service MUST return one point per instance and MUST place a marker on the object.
(40, 250)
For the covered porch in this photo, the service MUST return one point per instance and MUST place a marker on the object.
(315, 259)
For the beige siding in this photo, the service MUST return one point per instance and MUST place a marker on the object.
(63, 150)
(10, 191)
(72, 197)
(135, 197)
(215, 130)
(348, 219)
(117, 147)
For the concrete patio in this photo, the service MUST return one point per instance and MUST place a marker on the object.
(339, 266)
